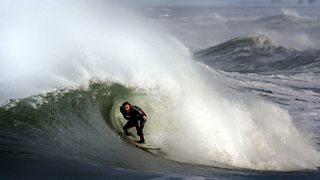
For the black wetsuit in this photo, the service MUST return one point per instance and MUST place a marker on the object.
(135, 118)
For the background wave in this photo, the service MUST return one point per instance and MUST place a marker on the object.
(257, 54)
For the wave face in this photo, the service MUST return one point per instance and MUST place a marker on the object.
(73, 124)
(86, 125)
(64, 99)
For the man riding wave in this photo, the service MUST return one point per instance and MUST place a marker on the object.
(136, 118)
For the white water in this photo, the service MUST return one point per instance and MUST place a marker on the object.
(48, 45)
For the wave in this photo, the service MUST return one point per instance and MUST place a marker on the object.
(77, 124)
(257, 54)
(193, 121)
(246, 42)
(288, 17)
(86, 124)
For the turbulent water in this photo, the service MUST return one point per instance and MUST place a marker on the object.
(229, 92)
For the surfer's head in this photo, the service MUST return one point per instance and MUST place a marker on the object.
(126, 106)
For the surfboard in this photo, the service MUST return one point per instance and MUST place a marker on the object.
(144, 146)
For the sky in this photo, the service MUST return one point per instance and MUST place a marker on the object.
(206, 3)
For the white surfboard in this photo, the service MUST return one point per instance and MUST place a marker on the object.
(143, 146)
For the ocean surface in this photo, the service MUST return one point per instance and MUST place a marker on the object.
(230, 92)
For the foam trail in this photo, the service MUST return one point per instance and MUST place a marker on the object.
(50, 45)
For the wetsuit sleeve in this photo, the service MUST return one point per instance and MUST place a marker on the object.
(141, 116)
(141, 113)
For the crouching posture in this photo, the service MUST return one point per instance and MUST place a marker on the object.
(136, 118)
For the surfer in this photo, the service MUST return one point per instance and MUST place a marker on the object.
(136, 118)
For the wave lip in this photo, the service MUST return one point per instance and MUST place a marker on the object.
(238, 44)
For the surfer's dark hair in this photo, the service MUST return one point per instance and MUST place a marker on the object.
(126, 103)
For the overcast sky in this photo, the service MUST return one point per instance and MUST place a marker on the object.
(206, 3)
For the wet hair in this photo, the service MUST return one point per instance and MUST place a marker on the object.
(126, 103)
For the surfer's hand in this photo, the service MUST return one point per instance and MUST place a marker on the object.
(144, 120)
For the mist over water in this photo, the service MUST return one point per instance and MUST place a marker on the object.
(54, 45)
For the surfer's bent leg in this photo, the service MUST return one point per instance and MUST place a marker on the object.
(128, 125)
(139, 128)
(140, 125)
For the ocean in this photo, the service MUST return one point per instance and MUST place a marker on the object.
(231, 92)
